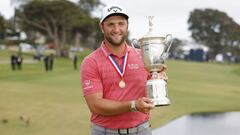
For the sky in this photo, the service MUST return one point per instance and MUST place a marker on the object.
(170, 16)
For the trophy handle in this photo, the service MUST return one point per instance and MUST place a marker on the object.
(168, 42)
(134, 41)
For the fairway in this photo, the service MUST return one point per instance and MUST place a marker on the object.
(53, 104)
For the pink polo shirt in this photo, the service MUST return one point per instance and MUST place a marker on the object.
(99, 75)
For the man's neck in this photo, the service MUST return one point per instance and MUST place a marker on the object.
(117, 50)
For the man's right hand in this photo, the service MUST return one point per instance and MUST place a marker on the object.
(144, 105)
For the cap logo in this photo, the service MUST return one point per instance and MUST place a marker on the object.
(115, 9)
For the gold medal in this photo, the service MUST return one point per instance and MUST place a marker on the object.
(122, 84)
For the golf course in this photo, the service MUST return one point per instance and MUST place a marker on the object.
(36, 102)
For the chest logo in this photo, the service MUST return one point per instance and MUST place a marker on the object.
(133, 66)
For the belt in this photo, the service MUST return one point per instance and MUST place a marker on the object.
(123, 131)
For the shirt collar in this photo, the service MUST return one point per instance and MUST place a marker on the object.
(108, 52)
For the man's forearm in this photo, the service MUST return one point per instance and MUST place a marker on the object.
(109, 107)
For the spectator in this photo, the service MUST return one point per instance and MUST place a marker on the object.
(19, 62)
(13, 61)
(46, 63)
(75, 60)
(51, 62)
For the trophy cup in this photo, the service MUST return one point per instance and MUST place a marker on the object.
(154, 51)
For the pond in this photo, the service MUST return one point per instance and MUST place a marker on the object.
(203, 124)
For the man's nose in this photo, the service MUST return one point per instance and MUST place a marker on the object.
(116, 28)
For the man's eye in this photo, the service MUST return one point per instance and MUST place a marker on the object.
(110, 24)
(121, 23)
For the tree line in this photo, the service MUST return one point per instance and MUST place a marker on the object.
(216, 30)
(65, 23)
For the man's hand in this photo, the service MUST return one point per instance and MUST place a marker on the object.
(144, 105)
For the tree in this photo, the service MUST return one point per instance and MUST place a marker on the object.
(89, 5)
(51, 18)
(2, 27)
(7, 29)
(92, 30)
(55, 19)
(89, 33)
(175, 50)
(214, 29)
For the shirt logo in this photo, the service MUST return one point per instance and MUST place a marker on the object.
(133, 66)
(87, 84)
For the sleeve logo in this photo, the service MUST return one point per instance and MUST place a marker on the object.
(87, 84)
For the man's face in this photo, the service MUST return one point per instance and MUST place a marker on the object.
(115, 29)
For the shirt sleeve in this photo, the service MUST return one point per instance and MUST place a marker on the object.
(90, 77)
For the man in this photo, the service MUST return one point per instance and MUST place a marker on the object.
(46, 63)
(114, 81)
(51, 60)
(75, 61)
(13, 61)
(19, 62)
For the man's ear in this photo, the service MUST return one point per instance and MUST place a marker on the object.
(101, 27)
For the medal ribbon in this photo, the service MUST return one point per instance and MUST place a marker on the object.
(119, 70)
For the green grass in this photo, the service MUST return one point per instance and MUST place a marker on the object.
(54, 103)
(199, 87)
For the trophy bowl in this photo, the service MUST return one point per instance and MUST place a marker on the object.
(153, 51)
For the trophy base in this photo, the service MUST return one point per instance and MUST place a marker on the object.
(157, 92)
(161, 102)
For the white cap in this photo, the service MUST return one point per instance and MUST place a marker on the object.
(111, 10)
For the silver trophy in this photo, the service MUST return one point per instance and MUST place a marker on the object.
(154, 51)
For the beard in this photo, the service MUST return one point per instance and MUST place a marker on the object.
(115, 42)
